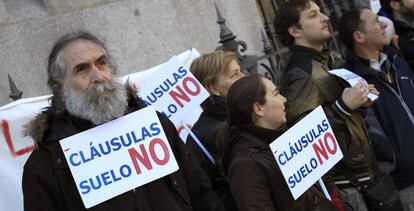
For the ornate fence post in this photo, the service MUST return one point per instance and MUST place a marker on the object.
(15, 93)
(227, 39)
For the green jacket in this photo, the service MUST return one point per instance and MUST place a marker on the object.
(306, 85)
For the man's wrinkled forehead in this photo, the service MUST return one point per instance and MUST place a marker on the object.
(80, 52)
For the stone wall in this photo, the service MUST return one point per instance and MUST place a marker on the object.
(139, 33)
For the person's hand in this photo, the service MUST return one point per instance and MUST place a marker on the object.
(356, 96)
(372, 90)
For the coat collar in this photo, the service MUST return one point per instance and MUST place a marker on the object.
(218, 110)
(326, 57)
(359, 65)
(255, 136)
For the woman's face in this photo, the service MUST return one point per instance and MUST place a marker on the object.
(224, 81)
(272, 113)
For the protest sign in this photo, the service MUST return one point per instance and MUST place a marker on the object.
(172, 90)
(352, 79)
(118, 156)
(306, 151)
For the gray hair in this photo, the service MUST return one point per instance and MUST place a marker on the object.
(56, 66)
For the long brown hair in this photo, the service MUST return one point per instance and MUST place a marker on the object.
(240, 99)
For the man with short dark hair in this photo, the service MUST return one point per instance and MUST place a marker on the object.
(401, 12)
(364, 37)
(86, 94)
(307, 84)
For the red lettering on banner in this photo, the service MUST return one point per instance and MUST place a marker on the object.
(196, 86)
(6, 132)
(145, 159)
(328, 147)
(164, 147)
(323, 148)
(181, 95)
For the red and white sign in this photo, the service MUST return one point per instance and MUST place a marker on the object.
(306, 151)
(118, 156)
(172, 90)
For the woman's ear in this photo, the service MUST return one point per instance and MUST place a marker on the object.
(257, 109)
(212, 89)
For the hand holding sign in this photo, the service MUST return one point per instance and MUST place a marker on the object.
(353, 79)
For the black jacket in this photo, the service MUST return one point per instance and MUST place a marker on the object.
(49, 185)
(393, 109)
(204, 129)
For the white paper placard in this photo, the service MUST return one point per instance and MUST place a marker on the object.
(118, 156)
(306, 151)
(352, 79)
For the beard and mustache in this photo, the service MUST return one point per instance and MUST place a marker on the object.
(100, 103)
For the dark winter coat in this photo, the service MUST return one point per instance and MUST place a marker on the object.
(256, 181)
(204, 129)
(49, 185)
(394, 111)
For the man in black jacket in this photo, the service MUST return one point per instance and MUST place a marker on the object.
(85, 94)
(364, 37)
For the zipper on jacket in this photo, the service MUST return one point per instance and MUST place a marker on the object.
(407, 110)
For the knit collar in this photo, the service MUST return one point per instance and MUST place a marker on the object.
(218, 110)
(320, 56)
(258, 136)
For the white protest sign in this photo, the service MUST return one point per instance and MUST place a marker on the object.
(352, 79)
(306, 151)
(118, 156)
(171, 89)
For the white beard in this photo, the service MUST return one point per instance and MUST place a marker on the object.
(100, 103)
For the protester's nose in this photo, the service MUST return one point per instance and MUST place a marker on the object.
(97, 75)
(284, 99)
(324, 18)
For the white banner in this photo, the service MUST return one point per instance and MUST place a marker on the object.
(306, 151)
(118, 156)
(15, 149)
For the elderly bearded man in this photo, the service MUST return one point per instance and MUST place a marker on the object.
(85, 94)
